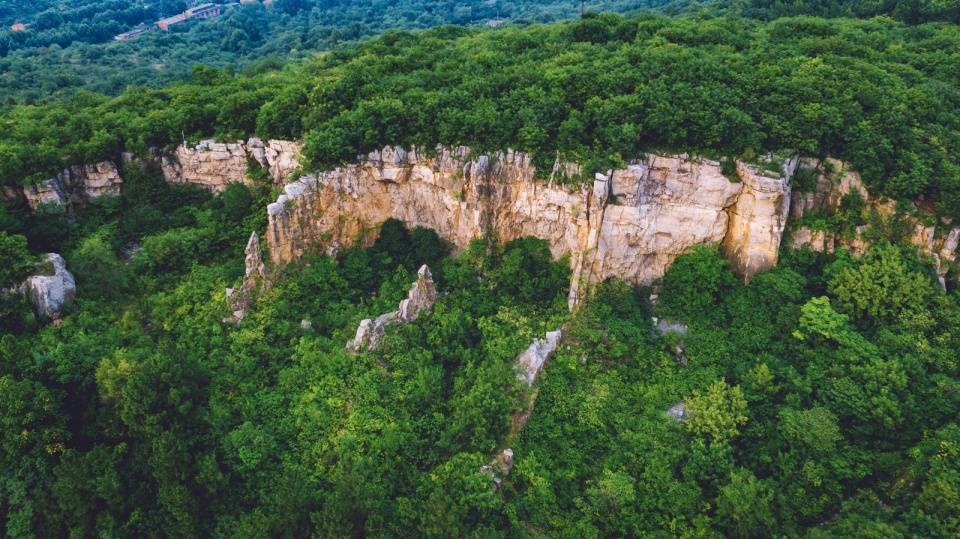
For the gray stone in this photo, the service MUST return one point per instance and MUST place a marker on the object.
(420, 298)
(50, 293)
(531, 361)
(678, 412)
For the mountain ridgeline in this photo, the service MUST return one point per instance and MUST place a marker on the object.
(600, 91)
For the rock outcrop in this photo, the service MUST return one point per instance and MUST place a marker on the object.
(51, 290)
(76, 183)
(420, 298)
(833, 181)
(758, 218)
(678, 412)
(215, 165)
(254, 277)
(532, 360)
(629, 223)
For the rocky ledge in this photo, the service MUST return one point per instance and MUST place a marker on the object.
(629, 223)
(215, 165)
(80, 182)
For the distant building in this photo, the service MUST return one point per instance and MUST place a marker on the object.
(132, 33)
(203, 11)
(18, 27)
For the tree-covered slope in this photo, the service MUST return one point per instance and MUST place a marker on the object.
(821, 398)
(600, 91)
(70, 47)
(911, 11)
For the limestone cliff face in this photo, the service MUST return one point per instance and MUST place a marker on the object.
(215, 165)
(757, 220)
(629, 223)
(79, 181)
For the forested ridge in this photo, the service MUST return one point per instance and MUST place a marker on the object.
(599, 91)
(70, 47)
(821, 399)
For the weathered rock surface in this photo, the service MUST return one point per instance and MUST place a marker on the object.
(678, 412)
(532, 360)
(254, 277)
(215, 165)
(820, 241)
(629, 223)
(51, 292)
(420, 298)
(758, 218)
(833, 181)
(82, 182)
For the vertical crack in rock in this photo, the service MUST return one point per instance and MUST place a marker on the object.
(758, 218)
(630, 223)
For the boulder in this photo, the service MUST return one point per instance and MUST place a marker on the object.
(678, 412)
(51, 290)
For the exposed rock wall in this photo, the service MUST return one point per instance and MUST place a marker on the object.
(215, 165)
(532, 360)
(240, 299)
(758, 218)
(833, 181)
(83, 181)
(629, 223)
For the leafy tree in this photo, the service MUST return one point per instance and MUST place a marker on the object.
(18, 262)
(718, 413)
(744, 506)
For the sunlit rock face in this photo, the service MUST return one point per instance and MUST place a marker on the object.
(76, 184)
(629, 223)
(215, 165)
(758, 218)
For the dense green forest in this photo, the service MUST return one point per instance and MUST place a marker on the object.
(822, 397)
(600, 91)
(911, 11)
(71, 48)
